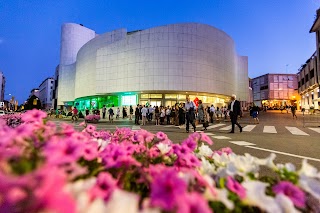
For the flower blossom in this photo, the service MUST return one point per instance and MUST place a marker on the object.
(161, 136)
(236, 187)
(104, 186)
(34, 115)
(295, 194)
(166, 189)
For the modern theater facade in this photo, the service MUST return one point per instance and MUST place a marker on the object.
(158, 66)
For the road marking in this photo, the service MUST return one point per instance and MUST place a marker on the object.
(209, 133)
(215, 126)
(284, 153)
(242, 143)
(221, 137)
(315, 129)
(170, 126)
(136, 127)
(226, 128)
(269, 129)
(248, 128)
(295, 131)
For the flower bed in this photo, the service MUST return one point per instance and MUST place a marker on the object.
(12, 120)
(92, 118)
(48, 169)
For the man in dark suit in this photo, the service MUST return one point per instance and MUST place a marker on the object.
(235, 110)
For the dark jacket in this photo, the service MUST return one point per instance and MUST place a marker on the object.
(236, 107)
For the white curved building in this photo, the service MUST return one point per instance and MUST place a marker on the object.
(158, 65)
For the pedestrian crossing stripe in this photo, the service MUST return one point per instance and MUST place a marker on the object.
(296, 131)
(136, 127)
(226, 128)
(248, 128)
(215, 126)
(315, 129)
(221, 137)
(269, 129)
(242, 143)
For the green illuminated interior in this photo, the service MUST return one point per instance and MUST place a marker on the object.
(97, 102)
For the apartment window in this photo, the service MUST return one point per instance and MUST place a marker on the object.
(302, 81)
(312, 96)
(298, 84)
(307, 78)
(312, 73)
(50, 87)
(264, 87)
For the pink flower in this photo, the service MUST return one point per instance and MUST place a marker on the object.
(90, 128)
(90, 151)
(226, 150)
(143, 136)
(166, 189)
(193, 203)
(117, 155)
(104, 187)
(34, 116)
(191, 144)
(294, 193)
(161, 136)
(236, 187)
(206, 138)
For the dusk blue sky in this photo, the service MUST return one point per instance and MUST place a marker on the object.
(272, 33)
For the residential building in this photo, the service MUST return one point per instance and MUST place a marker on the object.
(309, 73)
(159, 66)
(275, 90)
(45, 93)
(308, 85)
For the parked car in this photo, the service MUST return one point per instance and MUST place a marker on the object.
(2, 113)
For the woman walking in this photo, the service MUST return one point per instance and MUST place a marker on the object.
(254, 113)
(157, 115)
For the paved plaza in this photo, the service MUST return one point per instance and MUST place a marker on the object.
(276, 132)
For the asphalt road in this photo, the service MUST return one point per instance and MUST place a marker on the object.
(276, 132)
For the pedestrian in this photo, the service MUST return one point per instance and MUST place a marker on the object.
(293, 111)
(151, 110)
(162, 114)
(137, 115)
(118, 113)
(74, 114)
(144, 112)
(168, 114)
(200, 111)
(190, 113)
(157, 115)
(104, 110)
(234, 112)
(87, 111)
(130, 111)
(281, 109)
(111, 115)
(211, 113)
(254, 113)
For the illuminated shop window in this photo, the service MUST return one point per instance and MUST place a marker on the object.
(129, 100)
(145, 96)
(156, 95)
(170, 96)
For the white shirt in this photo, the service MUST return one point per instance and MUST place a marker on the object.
(212, 109)
(190, 104)
(144, 111)
(168, 112)
(232, 103)
(151, 109)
